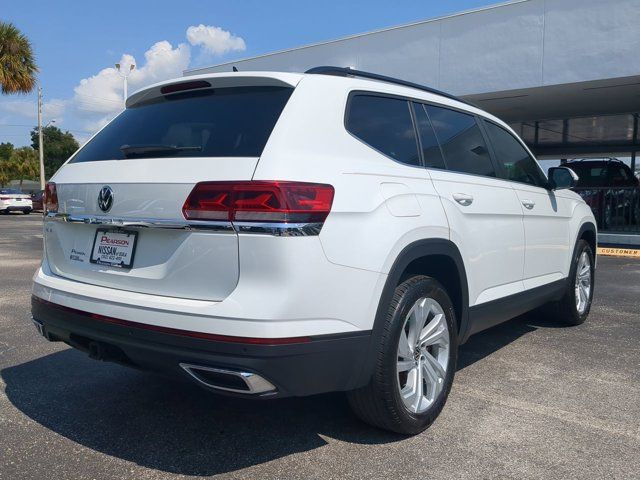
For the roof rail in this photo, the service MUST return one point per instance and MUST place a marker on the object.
(350, 72)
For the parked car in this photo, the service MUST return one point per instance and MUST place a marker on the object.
(12, 200)
(274, 234)
(611, 190)
(37, 198)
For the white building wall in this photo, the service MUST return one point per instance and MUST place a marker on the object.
(522, 44)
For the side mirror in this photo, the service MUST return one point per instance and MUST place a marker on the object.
(561, 178)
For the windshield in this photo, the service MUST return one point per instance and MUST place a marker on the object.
(225, 122)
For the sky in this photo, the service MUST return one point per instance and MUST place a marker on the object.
(77, 43)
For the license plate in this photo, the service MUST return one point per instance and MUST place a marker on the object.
(114, 248)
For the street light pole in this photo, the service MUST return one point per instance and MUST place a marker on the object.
(40, 142)
(124, 73)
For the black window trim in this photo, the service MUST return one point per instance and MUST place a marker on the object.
(415, 104)
(366, 93)
(500, 168)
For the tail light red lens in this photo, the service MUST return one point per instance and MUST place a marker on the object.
(50, 198)
(259, 201)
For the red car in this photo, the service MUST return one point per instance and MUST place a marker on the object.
(611, 190)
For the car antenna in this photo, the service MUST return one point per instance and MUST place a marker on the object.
(235, 69)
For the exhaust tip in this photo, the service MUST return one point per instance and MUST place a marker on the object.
(228, 380)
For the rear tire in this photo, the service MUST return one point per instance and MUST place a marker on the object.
(26, 212)
(415, 360)
(575, 305)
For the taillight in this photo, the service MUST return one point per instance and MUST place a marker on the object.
(50, 198)
(259, 201)
(5, 198)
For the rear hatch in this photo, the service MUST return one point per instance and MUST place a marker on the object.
(119, 220)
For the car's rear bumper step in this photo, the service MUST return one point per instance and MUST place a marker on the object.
(295, 366)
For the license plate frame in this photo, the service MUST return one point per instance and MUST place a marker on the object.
(130, 234)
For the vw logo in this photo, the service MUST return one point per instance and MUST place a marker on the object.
(105, 198)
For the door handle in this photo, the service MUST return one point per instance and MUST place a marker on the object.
(528, 204)
(463, 199)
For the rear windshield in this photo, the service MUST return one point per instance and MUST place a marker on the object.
(10, 191)
(224, 122)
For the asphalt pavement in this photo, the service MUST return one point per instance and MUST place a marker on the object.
(531, 399)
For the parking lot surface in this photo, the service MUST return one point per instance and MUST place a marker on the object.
(531, 399)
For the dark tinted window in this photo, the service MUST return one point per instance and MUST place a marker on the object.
(461, 141)
(225, 122)
(385, 124)
(517, 164)
(430, 149)
(10, 191)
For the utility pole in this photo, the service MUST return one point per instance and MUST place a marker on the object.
(40, 142)
(124, 73)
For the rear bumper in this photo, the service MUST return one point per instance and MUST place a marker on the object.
(295, 366)
(16, 208)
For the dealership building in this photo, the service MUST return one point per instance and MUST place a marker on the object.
(565, 74)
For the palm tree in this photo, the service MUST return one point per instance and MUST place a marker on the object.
(17, 65)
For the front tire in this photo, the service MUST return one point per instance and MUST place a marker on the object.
(415, 360)
(26, 212)
(575, 305)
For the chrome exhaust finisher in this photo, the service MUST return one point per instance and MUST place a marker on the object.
(229, 380)
(39, 326)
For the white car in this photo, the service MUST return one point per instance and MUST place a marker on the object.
(12, 200)
(271, 234)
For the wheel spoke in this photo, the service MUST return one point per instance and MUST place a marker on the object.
(436, 335)
(405, 351)
(418, 390)
(432, 364)
(416, 319)
(404, 365)
(410, 390)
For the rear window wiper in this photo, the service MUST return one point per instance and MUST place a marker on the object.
(132, 151)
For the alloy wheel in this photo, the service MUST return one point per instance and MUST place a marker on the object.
(583, 283)
(423, 355)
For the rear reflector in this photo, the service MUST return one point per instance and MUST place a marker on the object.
(50, 198)
(259, 201)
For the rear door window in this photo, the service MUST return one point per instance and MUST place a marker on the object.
(462, 141)
(385, 124)
(224, 122)
(517, 165)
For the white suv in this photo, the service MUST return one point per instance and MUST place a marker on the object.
(271, 234)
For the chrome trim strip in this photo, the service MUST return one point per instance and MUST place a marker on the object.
(255, 383)
(223, 227)
(279, 229)
(275, 229)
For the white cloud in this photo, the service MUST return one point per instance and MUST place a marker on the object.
(215, 40)
(99, 97)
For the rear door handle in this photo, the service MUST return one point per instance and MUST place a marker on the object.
(463, 199)
(528, 204)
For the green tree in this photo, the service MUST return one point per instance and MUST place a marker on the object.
(6, 149)
(17, 63)
(58, 147)
(24, 164)
(5, 172)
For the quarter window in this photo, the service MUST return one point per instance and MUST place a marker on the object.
(516, 162)
(461, 141)
(385, 124)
